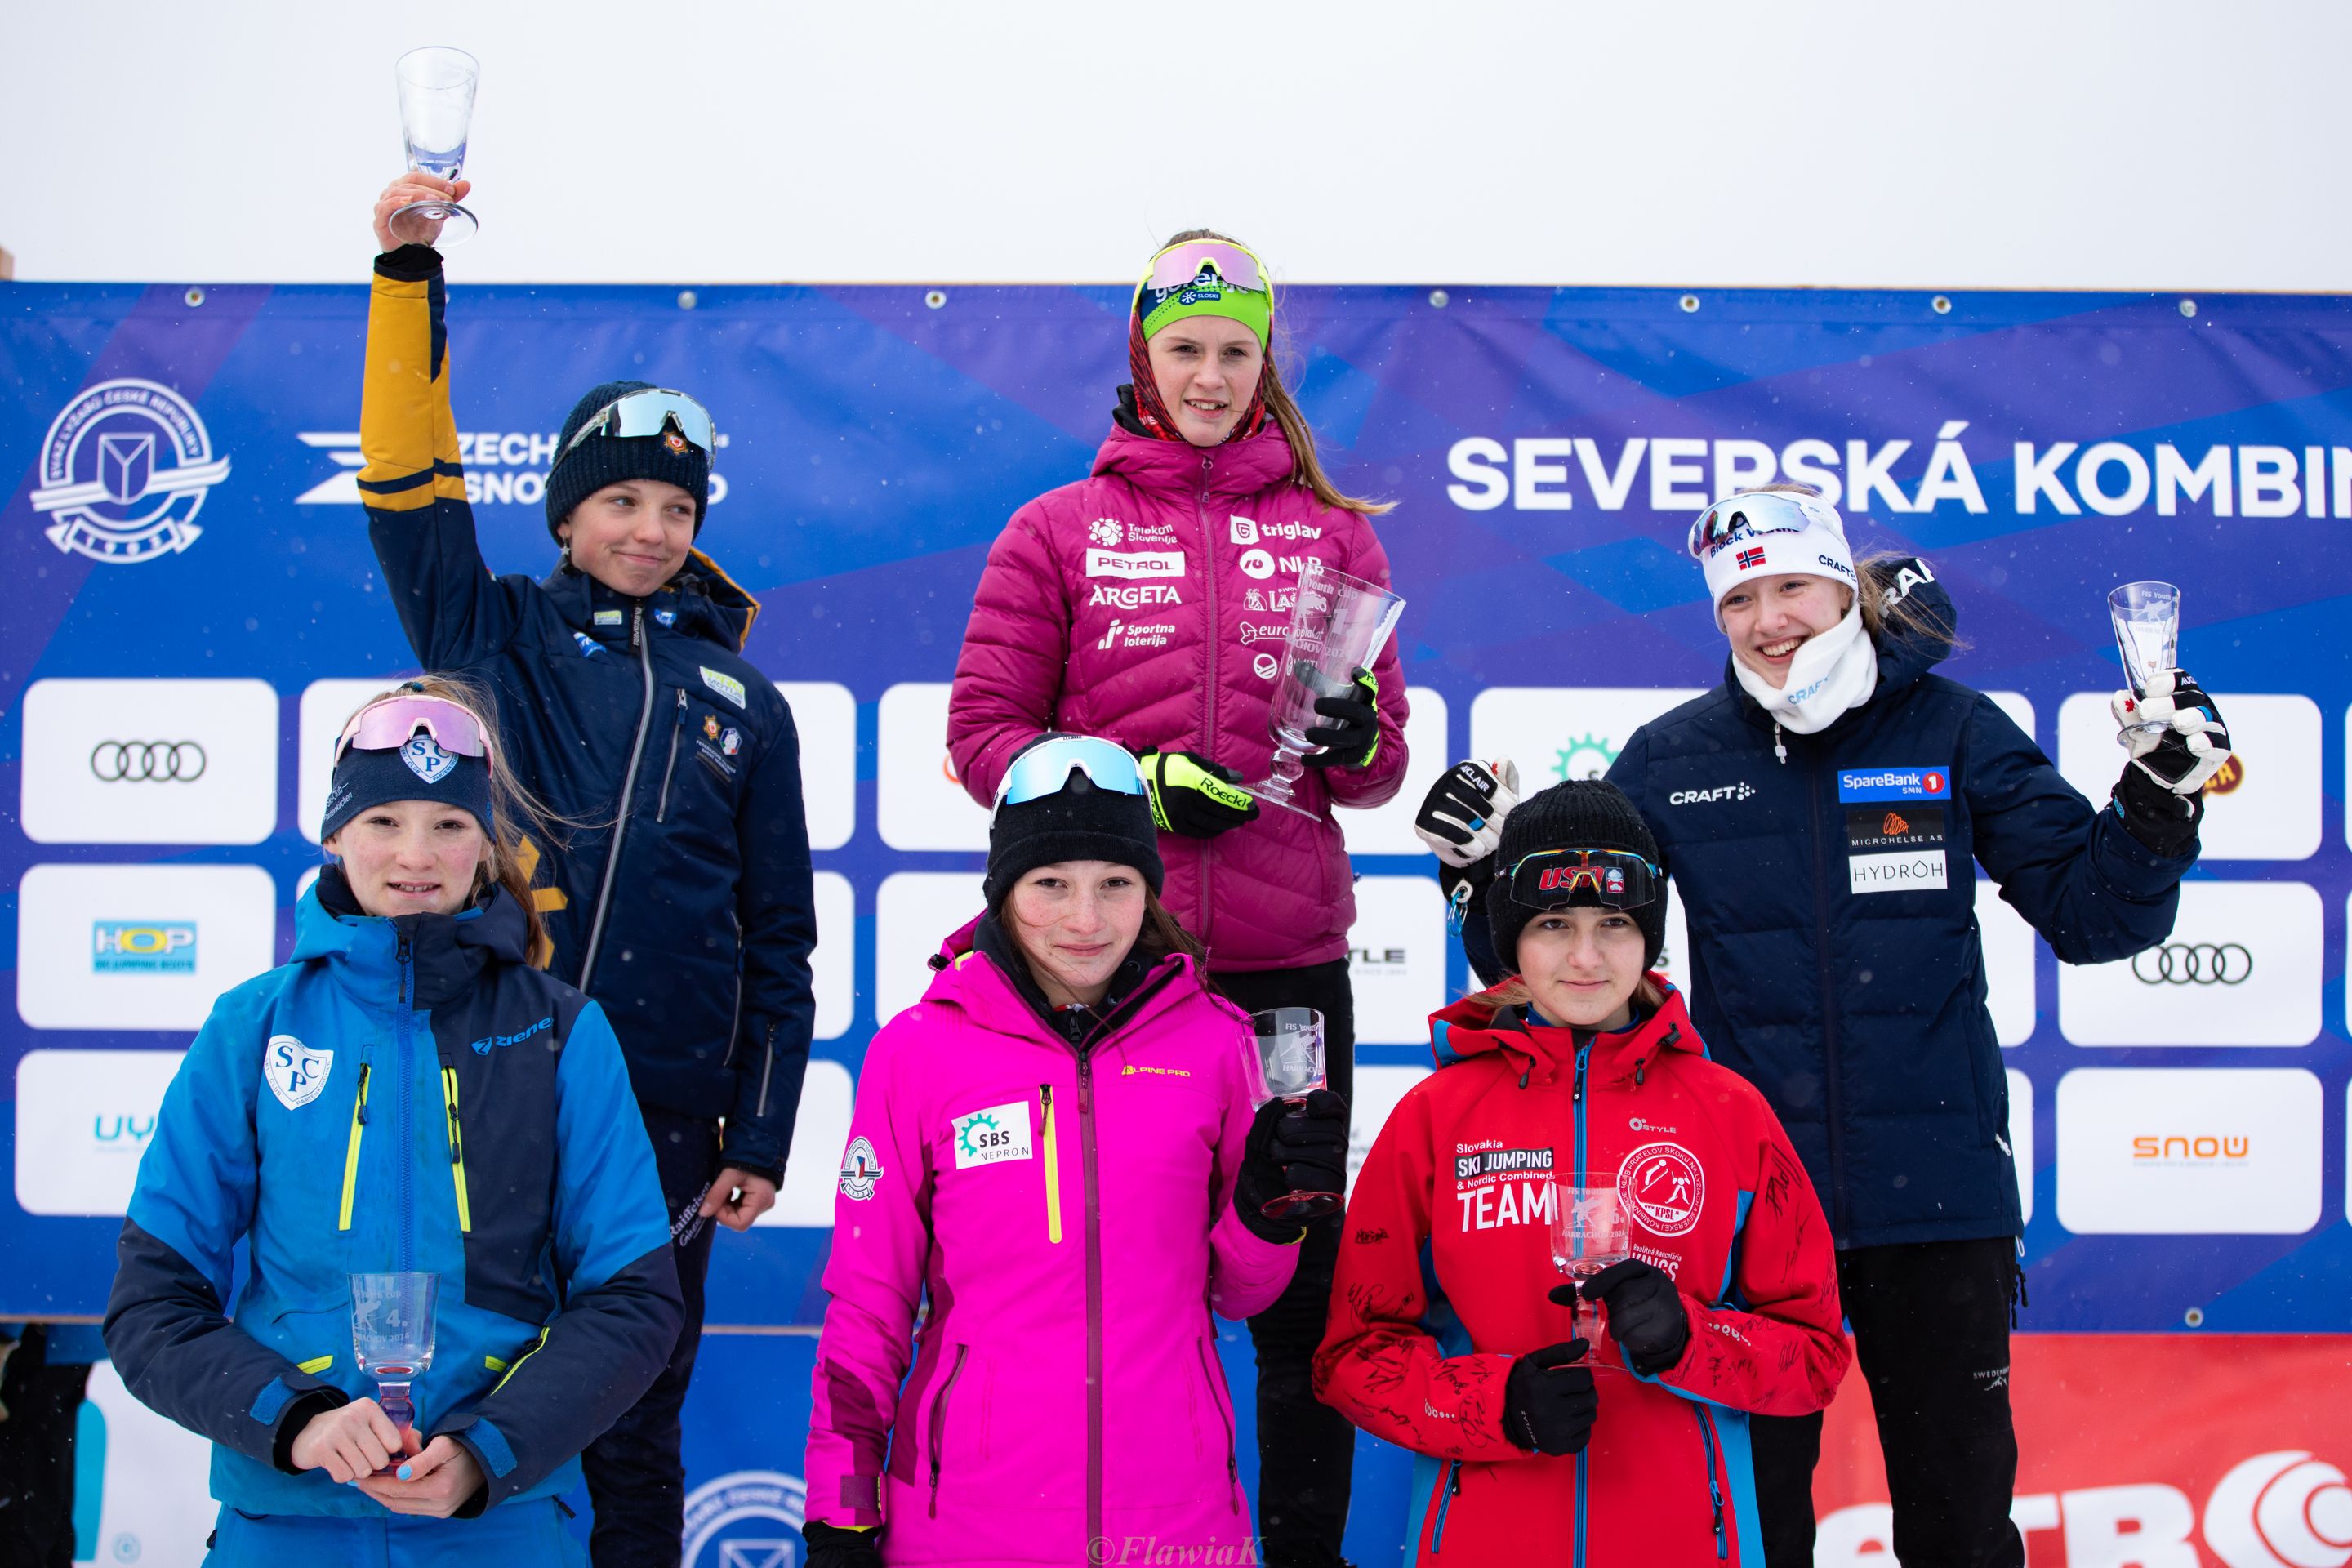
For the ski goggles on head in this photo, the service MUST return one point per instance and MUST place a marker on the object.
(1044, 769)
(1554, 878)
(1766, 511)
(391, 723)
(1180, 264)
(652, 411)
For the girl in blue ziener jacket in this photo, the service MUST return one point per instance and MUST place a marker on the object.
(1818, 811)
(407, 1094)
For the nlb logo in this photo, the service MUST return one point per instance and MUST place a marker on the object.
(489, 1043)
(2203, 1148)
(116, 495)
(125, 947)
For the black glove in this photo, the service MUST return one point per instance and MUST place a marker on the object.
(1353, 735)
(2160, 796)
(1646, 1312)
(1193, 796)
(834, 1546)
(1548, 1405)
(1461, 817)
(1291, 1149)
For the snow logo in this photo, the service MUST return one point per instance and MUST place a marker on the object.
(751, 1518)
(124, 471)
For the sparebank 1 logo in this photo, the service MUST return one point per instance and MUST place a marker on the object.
(124, 471)
(751, 1518)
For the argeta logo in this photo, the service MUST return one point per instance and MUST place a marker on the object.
(751, 1518)
(116, 494)
(295, 1071)
(1665, 1185)
(136, 947)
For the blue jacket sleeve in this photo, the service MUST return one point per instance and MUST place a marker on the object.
(167, 1330)
(453, 611)
(775, 903)
(622, 1311)
(2077, 875)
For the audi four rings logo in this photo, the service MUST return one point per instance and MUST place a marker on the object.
(147, 761)
(2193, 963)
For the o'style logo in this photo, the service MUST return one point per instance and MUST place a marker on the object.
(124, 469)
(2193, 963)
(147, 761)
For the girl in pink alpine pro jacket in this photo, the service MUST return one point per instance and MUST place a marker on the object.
(1053, 1177)
(1452, 1331)
(1148, 603)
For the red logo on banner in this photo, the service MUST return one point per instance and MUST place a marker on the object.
(2224, 1451)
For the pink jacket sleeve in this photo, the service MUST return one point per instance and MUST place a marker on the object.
(1376, 784)
(1246, 1272)
(1008, 676)
(881, 1244)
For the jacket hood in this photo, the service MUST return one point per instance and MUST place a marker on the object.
(447, 952)
(1902, 661)
(1236, 469)
(1474, 1026)
(702, 600)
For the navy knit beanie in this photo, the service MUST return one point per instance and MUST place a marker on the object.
(607, 459)
(1582, 813)
(1078, 821)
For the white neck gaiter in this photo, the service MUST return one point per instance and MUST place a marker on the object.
(1832, 673)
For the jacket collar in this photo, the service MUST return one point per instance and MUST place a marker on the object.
(980, 972)
(701, 600)
(447, 952)
(1903, 661)
(1233, 471)
(1474, 1026)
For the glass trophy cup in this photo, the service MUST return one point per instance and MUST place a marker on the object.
(1337, 627)
(1589, 1233)
(391, 1336)
(1285, 1063)
(436, 110)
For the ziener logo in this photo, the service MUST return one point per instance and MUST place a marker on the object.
(114, 493)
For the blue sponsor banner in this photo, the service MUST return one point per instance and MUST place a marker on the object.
(181, 502)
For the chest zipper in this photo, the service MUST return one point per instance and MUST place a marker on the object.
(940, 1423)
(1053, 1169)
(1714, 1487)
(1449, 1487)
(405, 1076)
(456, 1144)
(1094, 1295)
(352, 1149)
(1833, 1088)
(677, 730)
(628, 794)
(1209, 686)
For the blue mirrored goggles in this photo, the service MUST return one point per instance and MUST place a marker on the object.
(1766, 511)
(1045, 767)
(650, 411)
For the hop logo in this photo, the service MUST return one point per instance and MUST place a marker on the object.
(1106, 532)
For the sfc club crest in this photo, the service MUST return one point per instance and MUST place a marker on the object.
(1664, 1186)
(296, 1072)
(124, 471)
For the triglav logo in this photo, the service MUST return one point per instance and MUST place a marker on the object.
(147, 761)
(115, 494)
(2193, 963)
(127, 947)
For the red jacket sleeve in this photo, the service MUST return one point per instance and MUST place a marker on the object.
(1776, 1345)
(1382, 1364)
(1008, 676)
(1374, 785)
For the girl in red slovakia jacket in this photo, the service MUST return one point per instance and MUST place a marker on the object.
(1148, 603)
(1448, 1320)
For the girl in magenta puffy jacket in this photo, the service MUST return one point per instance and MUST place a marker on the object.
(1054, 1176)
(1148, 603)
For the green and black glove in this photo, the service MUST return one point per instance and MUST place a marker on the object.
(1351, 737)
(1193, 796)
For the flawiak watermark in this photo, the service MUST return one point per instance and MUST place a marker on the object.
(1105, 1550)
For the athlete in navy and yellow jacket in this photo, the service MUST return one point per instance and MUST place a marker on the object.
(407, 1093)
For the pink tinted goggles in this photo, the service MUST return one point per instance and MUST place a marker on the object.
(389, 724)
(1180, 264)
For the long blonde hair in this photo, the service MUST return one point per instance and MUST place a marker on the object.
(519, 815)
(1306, 465)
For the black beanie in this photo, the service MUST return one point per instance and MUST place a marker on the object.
(1078, 821)
(1583, 813)
(607, 460)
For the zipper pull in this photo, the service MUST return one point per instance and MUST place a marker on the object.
(636, 626)
(681, 704)
(1779, 746)
(361, 1111)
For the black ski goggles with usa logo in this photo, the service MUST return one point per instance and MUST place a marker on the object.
(1608, 879)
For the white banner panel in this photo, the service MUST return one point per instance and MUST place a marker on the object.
(835, 963)
(824, 713)
(2264, 802)
(919, 805)
(914, 912)
(2008, 950)
(1398, 949)
(1388, 829)
(83, 1118)
(150, 762)
(2188, 1151)
(2021, 1138)
(1556, 732)
(138, 947)
(820, 1133)
(2242, 968)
